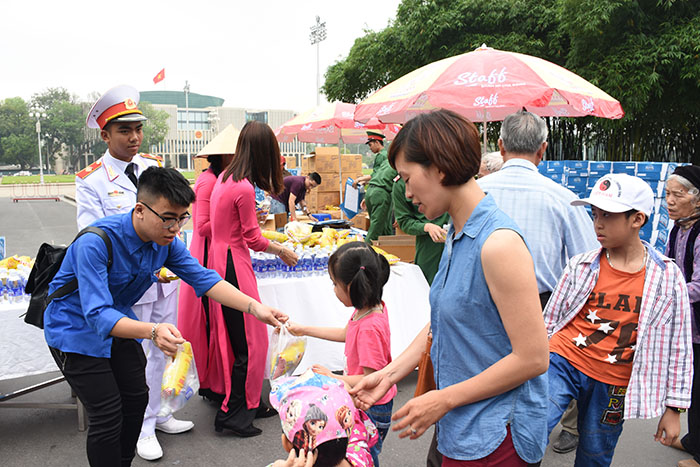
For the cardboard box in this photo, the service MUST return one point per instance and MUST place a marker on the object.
(361, 221)
(330, 181)
(351, 163)
(327, 151)
(317, 200)
(320, 163)
(403, 246)
(275, 221)
(290, 162)
(200, 165)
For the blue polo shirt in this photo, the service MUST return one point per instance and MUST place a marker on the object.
(81, 322)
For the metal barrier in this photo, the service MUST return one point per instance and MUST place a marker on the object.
(35, 191)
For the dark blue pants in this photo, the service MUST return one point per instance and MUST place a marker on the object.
(115, 396)
(600, 410)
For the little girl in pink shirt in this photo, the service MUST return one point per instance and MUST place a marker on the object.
(359, 274)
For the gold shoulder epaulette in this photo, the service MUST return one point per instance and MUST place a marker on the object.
(154, 157)
(89, 169)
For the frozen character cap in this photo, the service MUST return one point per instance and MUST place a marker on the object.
(314, 408)
(620, 193)
(119, 104)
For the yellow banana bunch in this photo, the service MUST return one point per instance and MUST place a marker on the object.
(275, 236)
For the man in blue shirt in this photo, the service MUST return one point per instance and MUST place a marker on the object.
(93, 333)
(553, 229)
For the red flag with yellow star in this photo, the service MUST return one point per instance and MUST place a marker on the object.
(159, 77)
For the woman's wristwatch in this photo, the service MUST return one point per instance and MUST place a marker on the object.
(676, 409)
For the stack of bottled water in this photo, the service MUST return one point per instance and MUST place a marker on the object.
(12, 282)
(312, 262)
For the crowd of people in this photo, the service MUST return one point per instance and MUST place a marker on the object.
(537, 312)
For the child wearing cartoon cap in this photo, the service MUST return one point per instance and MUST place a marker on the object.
(619, 327)
(320, 423)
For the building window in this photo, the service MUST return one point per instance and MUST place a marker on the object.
(259, 116)
(198, 120)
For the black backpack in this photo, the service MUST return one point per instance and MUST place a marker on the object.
(48, 262)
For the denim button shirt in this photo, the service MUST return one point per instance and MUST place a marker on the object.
(468, 337)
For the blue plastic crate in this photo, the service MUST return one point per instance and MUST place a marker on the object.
(555, 167)
(629, 168)
(654, 171)
(577, 184)
(559, 177)
(598, 169)
(658, 187)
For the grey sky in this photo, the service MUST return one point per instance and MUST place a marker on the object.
(254, 54)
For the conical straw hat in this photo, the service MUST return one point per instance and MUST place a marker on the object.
(224, 143)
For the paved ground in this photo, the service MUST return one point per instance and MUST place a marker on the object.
(45, 438)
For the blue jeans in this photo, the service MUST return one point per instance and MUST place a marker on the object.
(600, 410)
(381, 417)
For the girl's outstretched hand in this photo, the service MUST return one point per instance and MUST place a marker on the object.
(370, 389)
(322, 370)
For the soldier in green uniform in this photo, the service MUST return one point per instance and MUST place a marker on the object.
(430, 236)
(378, 193)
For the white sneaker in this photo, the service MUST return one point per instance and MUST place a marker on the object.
(149, 448)
(174, 426)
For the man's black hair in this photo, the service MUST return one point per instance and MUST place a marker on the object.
(315, 177)
(156, 182)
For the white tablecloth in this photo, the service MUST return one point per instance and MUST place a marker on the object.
(23, 350)
(311, 300)
(307, 300)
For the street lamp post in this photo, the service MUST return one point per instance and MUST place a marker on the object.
(38, 114)
(318, 34)
(187, 122)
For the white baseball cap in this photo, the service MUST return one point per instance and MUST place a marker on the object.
(620, 193)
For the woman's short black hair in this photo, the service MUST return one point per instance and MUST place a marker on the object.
(357, 265)
(156, 182)
(442, 138)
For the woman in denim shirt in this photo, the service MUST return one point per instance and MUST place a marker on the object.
(489, 350)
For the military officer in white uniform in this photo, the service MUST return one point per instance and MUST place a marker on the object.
(106, 187)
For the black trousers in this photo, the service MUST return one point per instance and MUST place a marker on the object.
(691, 441)
(238, 415)
(115, 395)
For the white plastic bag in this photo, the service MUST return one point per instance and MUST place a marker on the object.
(180, 381)
(286, 352)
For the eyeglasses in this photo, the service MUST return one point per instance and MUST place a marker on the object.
(170, 222)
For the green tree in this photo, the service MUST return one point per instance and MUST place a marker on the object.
(63, 130)
(18, 142)
(643, 52)
(155, 129)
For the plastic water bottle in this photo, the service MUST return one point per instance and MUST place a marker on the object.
(321, 263)
(270, 265)
(307, 267)
(257, 266)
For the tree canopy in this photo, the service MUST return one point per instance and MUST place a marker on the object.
(645, 53)
(18, 141)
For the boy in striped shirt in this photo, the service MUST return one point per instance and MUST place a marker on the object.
(619, 328)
